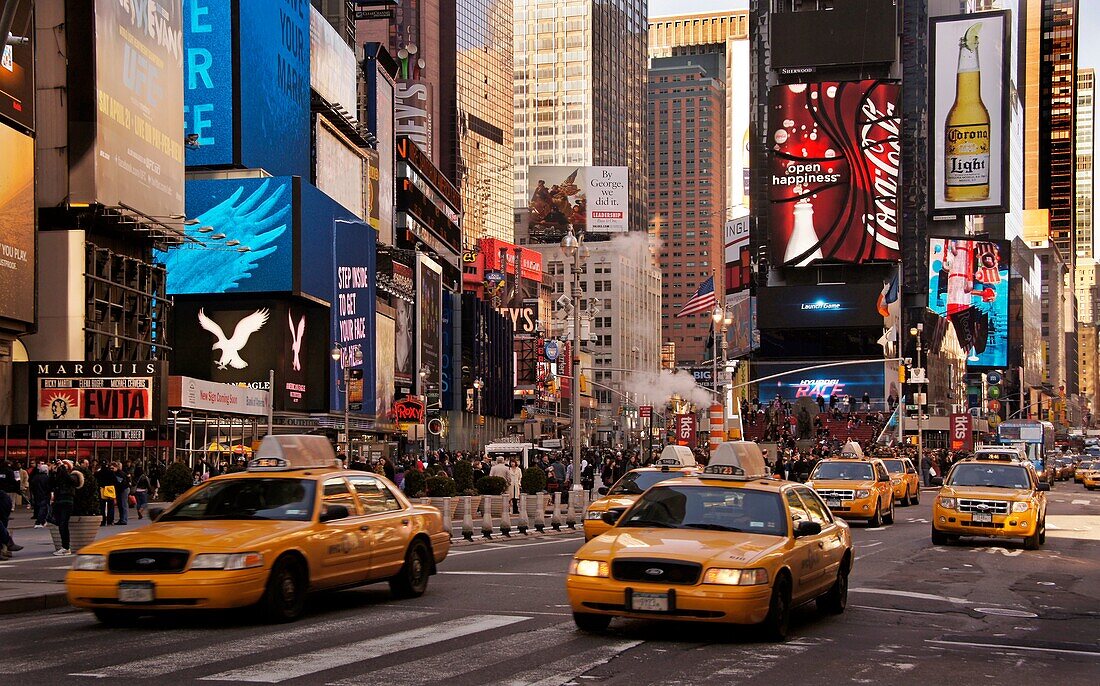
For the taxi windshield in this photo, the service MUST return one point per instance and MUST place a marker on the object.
(844, 471)
(894, 466)
(636, 483)
(990, 476)
(284, 499)
(710, 508)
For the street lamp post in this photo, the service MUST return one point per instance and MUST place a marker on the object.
(345, 364)
(478, 385)
(424, 372)
(573, 248)
(916, 332)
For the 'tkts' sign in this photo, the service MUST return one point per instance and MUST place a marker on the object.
(685, 429)
(961, 436)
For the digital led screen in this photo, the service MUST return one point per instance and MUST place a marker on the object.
(834, 172)
(429, 284)
(246, 227)
(341, 169)
(208, 81)
(139, 97)
(968, 286)
(332, 67)
(821, 306)
(17, 215)
(17, 62)
(851, 380)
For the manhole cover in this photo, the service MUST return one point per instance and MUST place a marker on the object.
(1005, 612)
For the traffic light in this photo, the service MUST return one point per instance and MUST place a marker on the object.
(902, 373)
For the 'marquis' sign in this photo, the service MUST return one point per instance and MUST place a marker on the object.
(97, 391)
(410, 410)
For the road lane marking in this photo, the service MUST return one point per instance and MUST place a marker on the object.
(159, 665)
(456, 663)
(572, 539)
(911, 594)
(749, 663)
(1014, 647)
(569, 668)
(1081, 502)
(869, 545)
(297, 666)
(896, 610)
(477, 573)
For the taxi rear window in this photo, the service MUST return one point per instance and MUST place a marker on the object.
(282, 499)
(844, 471)
(636, 483)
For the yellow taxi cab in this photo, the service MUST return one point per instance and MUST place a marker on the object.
(1083, 467)
(671, 464)
(991, 495)
(293, 523)
(1089, 473)
(855, 487)
(729, 544)
(904, 478)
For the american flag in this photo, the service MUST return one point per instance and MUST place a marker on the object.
(702, 301)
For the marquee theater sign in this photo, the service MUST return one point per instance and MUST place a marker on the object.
(97, 391)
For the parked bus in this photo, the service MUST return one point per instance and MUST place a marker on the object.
(1037, 439)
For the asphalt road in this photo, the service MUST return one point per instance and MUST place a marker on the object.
(978, 612)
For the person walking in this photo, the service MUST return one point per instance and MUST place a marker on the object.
(8, 484)
(66, 483)
(107, 483)
(40, 494)
(122, 492)
(926, 469)
(515, 478)
(142, 486)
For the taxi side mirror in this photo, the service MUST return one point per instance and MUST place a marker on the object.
(155, 513)
(611, 517)
(602, 490)
(806, 528)
(937, 481)
(1044, 486)
(331, 512)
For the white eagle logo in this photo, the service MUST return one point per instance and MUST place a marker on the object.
(296, 336)
(231, 348)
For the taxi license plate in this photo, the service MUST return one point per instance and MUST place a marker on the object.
(135, 592)
(649, 602)
(982, 517)
(832, 502)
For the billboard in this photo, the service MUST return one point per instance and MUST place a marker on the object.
(258, 214)
(332, 66)
(115, 392)
(139, 115)
(383, 119)
(208, 82)
(608, 200)
(17, 62)
(834, 164)
(405, 320)
(556, 199)
(373, 188)
(685, 429)
(341, 169)
(968, 87)
(743, 337)
(852, 380)
(384, 362)
(962, 433)
(429, 324)
(737, 115)
(968, 286)
(822, 306)
(17, 215)
(353, 304)
(738, 257)
(412, 113)
(274, 85)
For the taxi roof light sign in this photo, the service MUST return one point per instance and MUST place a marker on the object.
(852, 451)
(676, 456)
(737, 460)
(282, 453)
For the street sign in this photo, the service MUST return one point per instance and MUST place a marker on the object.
(552, 350)
(132, 435)
(494, 277)
(645, 411)
(917, 375)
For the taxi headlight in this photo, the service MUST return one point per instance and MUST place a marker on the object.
(593, 514)
(896, 480)
(594, 568)
(947, 503)
(1020, 506)
(736, 577)
(90, 563)
(863, 493)
(227, 561)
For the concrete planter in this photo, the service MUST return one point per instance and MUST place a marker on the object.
(495, 504)
(438, 504)
(82, 531)
(537, 504)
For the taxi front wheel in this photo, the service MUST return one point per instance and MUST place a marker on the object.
(412, 580)
(591, 623)
(777, 624)
(284, 599)
(835, 599)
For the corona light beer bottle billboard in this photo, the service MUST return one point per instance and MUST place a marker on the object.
(966, 134)
(969, 83)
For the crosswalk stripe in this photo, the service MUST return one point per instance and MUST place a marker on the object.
(567, 669)
(454, 663)
(68, 653)
(277, 671)
(159, 665)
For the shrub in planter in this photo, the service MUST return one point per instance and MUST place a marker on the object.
(464, 477)
(175, 482)
(440, 486)
(414, 483)
(491, 485)
(533, 481)
(86, 502)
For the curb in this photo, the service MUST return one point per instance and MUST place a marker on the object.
(516, 536)
(34, 603)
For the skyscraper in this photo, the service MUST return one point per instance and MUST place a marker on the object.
(579, 84)
(1085, 112)
(1057, 144)
(687, 168)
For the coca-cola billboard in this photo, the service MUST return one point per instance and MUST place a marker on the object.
(834, 164)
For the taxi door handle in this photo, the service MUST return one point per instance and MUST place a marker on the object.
(404, 522)
(365, 527)
(821, 544)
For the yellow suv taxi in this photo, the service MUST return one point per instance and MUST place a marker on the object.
(630, 486)
(906, 481)
(1089, 473)
(855, 487)
(729, 544)
(294, 522)
(992, 496)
